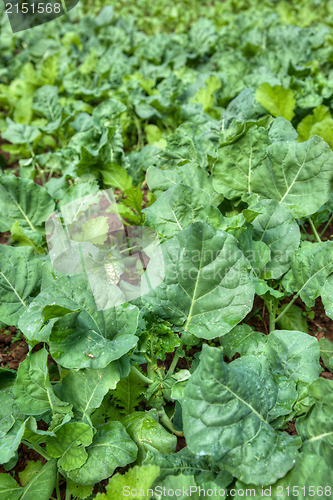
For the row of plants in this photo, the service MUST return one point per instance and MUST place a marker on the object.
(217, 136)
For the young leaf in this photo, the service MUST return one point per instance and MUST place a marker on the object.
(293, 319)
(128, 393)
(277, 100)
(111, 448)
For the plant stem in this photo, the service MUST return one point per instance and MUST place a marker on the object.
(272, 318)
(68, 495)
(326, 225)
(287, 308)
(174, 362)
(168, 424)
(313, 227)
(37, 448)
(57, 488)
(140, 375)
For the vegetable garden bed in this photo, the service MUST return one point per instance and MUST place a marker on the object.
(208, 126)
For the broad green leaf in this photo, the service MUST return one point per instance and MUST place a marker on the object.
(149, 434)
(207, 286)
(18, 133)
(203, 468)
(111, 448)
(293, 354)
(326, 353)
(310, 267)
(311, 474)
(184, 483)
(178, 207)
(9, 489)
(25, 201)
(297, 175)
(69, 445)
(241, 434)
(237, 163)
(104, 335)
(244, 340)
(33, 390)
(277, 100)
(42, 484)
(282, 130)
(316, 427)
(86, 388)
(278, 229)
(137, 478)
(293, 319)
(191, 174)
(20, 276)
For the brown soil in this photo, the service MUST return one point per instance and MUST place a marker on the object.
(4, 238)
(24, 456)
(12, 353)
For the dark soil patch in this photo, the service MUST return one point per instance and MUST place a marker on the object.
(4, 238)
(12, 351)
(328, 231)
(258, 318)
(25, 454)
(291, 429)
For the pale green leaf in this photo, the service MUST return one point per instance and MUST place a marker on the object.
(277, 100)
(136, 478)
